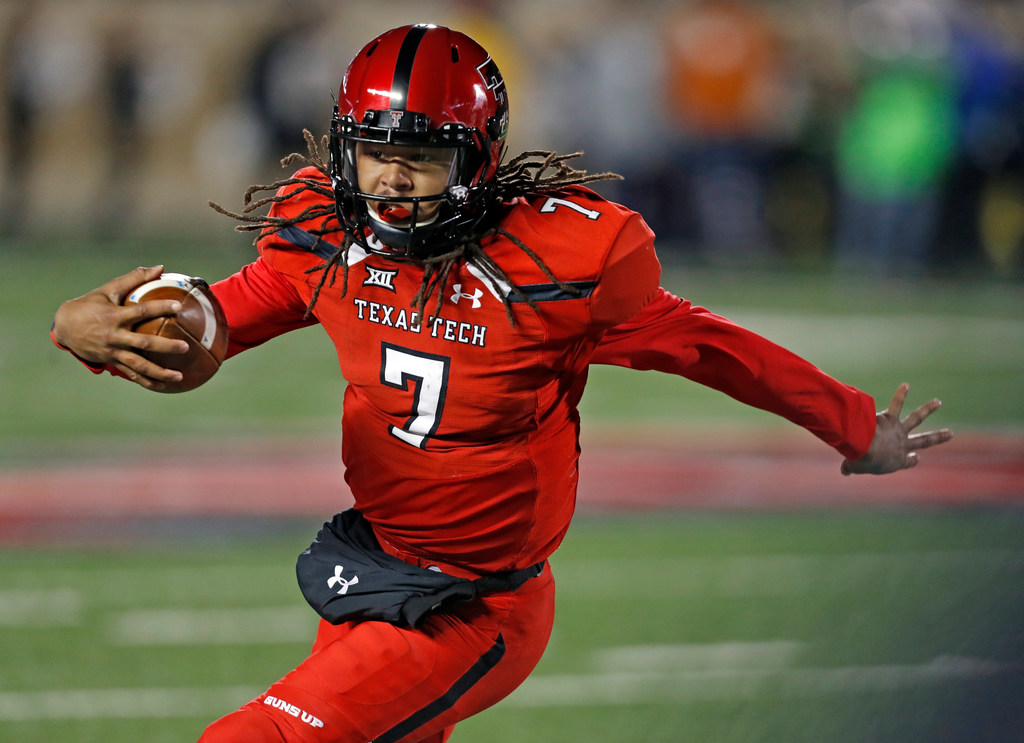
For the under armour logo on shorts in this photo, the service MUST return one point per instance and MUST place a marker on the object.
(337, 580)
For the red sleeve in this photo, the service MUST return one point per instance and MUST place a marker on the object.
(671, 335)
(259, 304)
(630, 277)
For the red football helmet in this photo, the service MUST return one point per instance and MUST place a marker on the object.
(419, 86)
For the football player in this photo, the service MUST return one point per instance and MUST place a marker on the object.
(466, 295)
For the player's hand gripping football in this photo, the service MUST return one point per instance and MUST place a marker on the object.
(97, 328)
(894, 447)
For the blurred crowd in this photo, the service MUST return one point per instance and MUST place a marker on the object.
(883, 137)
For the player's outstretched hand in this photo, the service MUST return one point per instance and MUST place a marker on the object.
(894, 447)
(98, 329)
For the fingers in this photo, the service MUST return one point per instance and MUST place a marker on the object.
(119, 288)
(155, 344)
(913, 420)
(893, 447)
(146, 382)
(100, 329)
(136, 313)
(106, 334)
(144, 372)
(928, 439)
(896, 405)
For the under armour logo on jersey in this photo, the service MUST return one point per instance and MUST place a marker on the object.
(459, 294)
(383, 278)
(337, 580)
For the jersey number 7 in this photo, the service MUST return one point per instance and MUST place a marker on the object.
(427, 374)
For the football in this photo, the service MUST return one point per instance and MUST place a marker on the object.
(201, 323)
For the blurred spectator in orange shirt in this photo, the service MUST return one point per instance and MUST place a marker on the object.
(726, 85)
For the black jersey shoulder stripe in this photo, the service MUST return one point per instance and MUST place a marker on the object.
(553, 292)
(300, 238)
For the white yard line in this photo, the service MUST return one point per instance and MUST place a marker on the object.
(752, 576)
(855, 342)
(773, 654)
(91, 704)
(185, 584)
(729, 684)
(248, 626)
(596, 689)
(40, 607)
(757, 576)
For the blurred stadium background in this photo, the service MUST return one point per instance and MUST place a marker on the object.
(747, 131)
(846, 177)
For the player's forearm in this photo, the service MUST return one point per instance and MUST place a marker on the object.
(673, 336)
(259, 304)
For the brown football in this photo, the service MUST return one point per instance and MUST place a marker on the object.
(201, 322)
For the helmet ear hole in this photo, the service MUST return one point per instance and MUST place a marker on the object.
(455, 53)
(494, 128)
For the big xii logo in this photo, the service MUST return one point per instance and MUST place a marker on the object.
(383, 278)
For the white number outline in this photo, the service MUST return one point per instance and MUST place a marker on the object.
(429, 373)
(553, 203)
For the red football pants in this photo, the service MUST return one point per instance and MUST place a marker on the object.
(373, 681)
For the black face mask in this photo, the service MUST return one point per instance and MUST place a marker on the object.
(393, 226)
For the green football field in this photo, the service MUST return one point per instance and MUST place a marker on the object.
(680, 627)
(714, 624)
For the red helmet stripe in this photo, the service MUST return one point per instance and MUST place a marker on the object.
(403, 66)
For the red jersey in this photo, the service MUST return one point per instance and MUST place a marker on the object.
(460, 431)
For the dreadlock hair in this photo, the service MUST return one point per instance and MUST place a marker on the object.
(531, 172)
